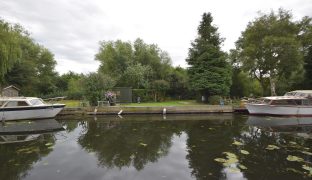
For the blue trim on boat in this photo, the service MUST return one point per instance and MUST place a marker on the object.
(30, 108)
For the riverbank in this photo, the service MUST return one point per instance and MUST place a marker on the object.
(110, 110)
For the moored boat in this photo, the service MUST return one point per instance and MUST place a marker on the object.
(16, 108)
(281, 105)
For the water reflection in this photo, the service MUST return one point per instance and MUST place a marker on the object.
(208, 140)
(175, 147)
(22, 143)
(295, 126)
(279, 132)
(118, 144)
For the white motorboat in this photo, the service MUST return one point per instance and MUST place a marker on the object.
(281, 105)
(16, 108)
(300, 93)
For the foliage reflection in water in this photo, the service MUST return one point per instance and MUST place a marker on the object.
(172, 147)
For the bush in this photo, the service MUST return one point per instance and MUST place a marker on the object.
(214, 100)
(145, 95)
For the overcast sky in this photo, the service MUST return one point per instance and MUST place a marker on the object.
(71, 29)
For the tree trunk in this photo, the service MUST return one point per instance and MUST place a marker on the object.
(272, 83)
(155, 96)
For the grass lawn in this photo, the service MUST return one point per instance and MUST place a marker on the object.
(69, 103)
(166, 103)
(76, 103)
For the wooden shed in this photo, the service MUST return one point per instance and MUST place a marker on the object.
(123, 94)
(10, 91)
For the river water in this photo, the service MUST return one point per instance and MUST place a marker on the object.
(173, 147)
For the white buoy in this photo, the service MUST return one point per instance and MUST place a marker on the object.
(119, 113)
(164, 111)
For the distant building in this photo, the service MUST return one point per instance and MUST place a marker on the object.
(10, 91)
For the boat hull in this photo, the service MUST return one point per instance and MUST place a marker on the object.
(266, 109)
(32, 112)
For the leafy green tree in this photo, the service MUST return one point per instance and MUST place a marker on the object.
(308, 69)
(75, 88)
(35, 73)
(25, 63)
(269, 48)
(152, 55)
(160, 87)
(62, 82)
(179, 83)
(209, 72)
(95, 85)
(45, 70)
(137, 76)
(114, 57)
(10, 50)
(244, 85)
(305, 36)
(136, 65)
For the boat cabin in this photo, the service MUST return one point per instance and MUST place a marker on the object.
(19, 102)
(300, 93)
(285, 101)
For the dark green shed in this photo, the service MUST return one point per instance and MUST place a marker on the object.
(123, 94)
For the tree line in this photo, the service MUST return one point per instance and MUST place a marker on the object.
(273, 55)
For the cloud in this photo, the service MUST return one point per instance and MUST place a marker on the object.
(71, 29)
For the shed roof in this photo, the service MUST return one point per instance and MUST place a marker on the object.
(11, 86)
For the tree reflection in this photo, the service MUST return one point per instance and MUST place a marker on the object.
(273, 163)
(206, 141)
(128, 143)
(18, 158)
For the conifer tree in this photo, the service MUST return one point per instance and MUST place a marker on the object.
(209, 72)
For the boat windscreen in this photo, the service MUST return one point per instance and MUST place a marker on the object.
(36, 102)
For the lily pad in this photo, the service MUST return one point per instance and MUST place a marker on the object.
(294, 158)
(244, 152)
(234, 170)
(230, 161)
(237, 143)
(272, 147)
(242, 166)
(308, 168)
(307, 153)
(221, 160)
(230, 155)
(293, 170)
(292, 143)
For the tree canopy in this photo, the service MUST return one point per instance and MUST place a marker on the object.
(10, 49)
(270, 48)
(24, 63)
(209, 72)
